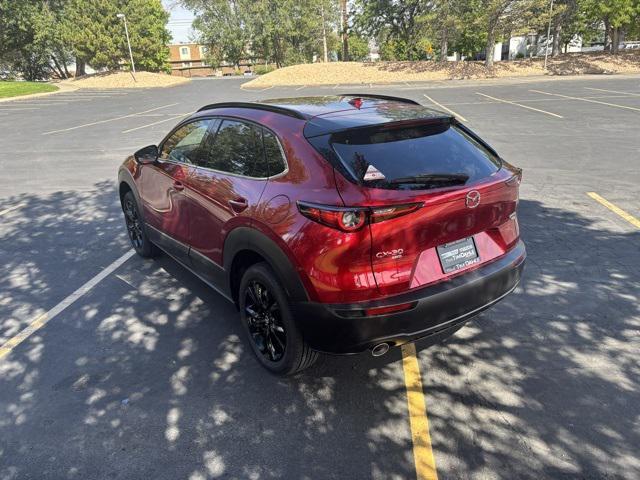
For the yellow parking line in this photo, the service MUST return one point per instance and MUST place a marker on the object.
(587, 100)
(613, 91)
(422, 452)
(520, 105)
(42, 319)
(615, 209)
(445, 108)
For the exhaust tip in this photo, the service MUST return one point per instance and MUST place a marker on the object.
(380, 349)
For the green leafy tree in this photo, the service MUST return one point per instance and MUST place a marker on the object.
(617, 16)
(398, 27)
(358, 48)
(503, 16)
(39, 38)
(278, 31)
(443, 22)
(97, 36)
(22, 45)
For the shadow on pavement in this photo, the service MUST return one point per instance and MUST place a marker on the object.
(148, 376)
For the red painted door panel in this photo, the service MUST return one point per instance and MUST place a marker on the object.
(224, 189)
(219, 203)
(165, 203)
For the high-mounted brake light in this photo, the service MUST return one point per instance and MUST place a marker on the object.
(351, 219)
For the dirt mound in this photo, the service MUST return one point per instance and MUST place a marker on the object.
(394, 72)
(126, 80)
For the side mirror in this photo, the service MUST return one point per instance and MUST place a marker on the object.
(146, 155)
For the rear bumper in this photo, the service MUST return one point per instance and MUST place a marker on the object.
(439, 309)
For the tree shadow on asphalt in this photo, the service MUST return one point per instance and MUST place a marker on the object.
(149, 376)
(51, 245)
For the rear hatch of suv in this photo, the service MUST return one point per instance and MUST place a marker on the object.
(441, 201)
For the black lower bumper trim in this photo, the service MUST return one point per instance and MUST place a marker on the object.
(440, 308)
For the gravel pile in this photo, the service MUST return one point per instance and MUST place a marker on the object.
(125, 80)
(393, 72)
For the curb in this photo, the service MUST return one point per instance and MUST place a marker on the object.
(61, 89)
(454, 82)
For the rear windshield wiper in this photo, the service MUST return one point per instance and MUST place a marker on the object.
(447, 178)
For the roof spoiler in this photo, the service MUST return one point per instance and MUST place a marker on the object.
(381, 97)
(256, 106)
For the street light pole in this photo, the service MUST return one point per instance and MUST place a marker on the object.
(126, 31)
(546, 49)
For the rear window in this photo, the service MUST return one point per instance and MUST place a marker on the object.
(417, 157)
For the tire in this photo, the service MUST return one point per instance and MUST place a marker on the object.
(135, 228)
(267, 319)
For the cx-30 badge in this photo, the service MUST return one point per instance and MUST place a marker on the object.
(473, 199)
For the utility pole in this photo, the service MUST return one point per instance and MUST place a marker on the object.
(126, 31)
(546, 45)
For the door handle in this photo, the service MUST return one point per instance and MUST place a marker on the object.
(239, 204)
(178, 185)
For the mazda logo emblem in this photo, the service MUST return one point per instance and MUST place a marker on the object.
(473, 199)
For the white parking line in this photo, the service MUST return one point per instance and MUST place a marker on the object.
(587, 100)
(91, 94)
(520, 105)
(10, 209)
(46, 317)
(533, 100)
(57, 100)
(300, 88)
(445, 108)
(107, 120)
(155, 123)
(613, 91)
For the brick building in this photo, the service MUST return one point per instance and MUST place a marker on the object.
(188, 60)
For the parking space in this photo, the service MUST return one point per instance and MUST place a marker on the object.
(132, 368)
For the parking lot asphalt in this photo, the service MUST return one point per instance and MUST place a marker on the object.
(145, 373)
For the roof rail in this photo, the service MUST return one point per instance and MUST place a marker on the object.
(381, 97)
(256, 106)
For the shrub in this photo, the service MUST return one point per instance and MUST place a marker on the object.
(262, 69)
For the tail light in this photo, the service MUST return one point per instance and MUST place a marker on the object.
(380, 214)
(351, 219)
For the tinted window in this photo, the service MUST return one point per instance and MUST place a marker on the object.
(380, 158)
(273, 154)
(184, 145)
(237, 148)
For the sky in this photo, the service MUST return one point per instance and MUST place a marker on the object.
(179, 22)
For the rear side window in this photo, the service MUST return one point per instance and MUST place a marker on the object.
(273, 154)
(237, 148)
(417, 157)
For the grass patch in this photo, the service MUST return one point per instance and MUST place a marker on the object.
(13, 89)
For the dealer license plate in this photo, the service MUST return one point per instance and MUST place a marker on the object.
(457, 255)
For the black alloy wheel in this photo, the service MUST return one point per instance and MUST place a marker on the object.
(272, 332)
(135, 227)
(264, 321)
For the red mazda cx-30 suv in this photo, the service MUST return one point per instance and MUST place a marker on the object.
(335, 224)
